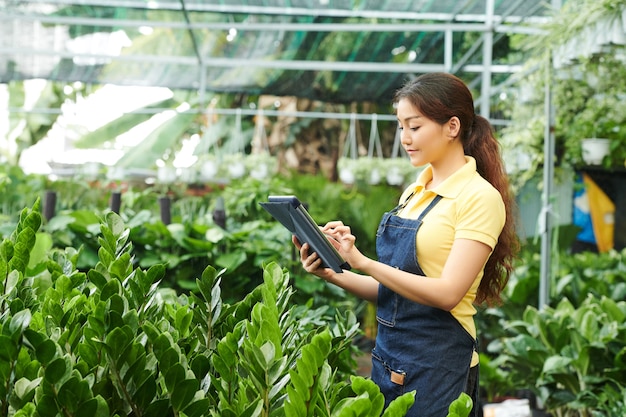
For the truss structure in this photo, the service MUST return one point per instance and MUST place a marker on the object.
(328, 50)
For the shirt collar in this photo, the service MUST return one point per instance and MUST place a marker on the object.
(452, 186)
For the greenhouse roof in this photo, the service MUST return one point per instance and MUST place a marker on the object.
(331, 50)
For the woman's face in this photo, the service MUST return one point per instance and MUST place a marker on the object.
(423, 139)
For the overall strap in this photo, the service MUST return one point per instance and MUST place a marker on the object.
(429, 207)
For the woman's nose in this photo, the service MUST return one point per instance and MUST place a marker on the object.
(405, 138)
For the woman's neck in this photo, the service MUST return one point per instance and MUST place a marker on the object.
(443, 169)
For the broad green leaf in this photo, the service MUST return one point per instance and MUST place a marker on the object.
(122, 124)
(74, 392)
(121, 266)
(56, 370)
(145, 393)
(118, 340)
(111, 288)
(24, 388)
(183, 320)
(556, 364)
(43, 245)
(89, 354)
(154, 146)
(97, 278)
(174, 376)
(183, 392)
(19, 323)
(400, 405)
(95, 407)
(158, 408)
(46, 351)
(198, 408)
(46, 406)
(462, 406)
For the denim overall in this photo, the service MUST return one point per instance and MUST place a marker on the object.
(418, 347)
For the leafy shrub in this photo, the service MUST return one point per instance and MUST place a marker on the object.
(112, 341)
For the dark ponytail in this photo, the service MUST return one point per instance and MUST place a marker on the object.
(440, 96)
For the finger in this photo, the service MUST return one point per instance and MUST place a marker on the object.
(304, 251)
(332, 225)
(313, 263)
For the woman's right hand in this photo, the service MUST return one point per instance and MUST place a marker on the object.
(311, 262)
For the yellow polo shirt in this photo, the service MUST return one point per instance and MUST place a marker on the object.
(471, 208)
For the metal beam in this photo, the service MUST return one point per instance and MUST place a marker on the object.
(356, 66)
(271, 26)
(291, 11)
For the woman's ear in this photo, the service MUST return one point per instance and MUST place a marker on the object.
(454, 127)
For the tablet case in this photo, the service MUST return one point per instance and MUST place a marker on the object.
(292, 214)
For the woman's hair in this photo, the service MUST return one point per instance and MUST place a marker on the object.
(440, 96)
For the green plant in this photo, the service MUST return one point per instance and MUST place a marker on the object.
(570, 357)
(112, 342)
(461, 407)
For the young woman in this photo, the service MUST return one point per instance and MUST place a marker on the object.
(447, 245)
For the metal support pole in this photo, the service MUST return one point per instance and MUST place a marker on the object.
(219, 213)
(49, 205)
(485, 93)
(165, 204)
(545, 220)
(115, 201)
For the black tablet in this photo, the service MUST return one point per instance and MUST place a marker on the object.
(292, 214)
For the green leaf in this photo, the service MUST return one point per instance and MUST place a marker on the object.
(94, 407)
(122, 266)
(46, 351)
(118, 340)
(231, 261)
(155, 145)
(19, 323)
(183, 320)
(47, 406)
(174, 375)
(198, 408)
(145, 393)
(461, 407)
(400, 405)
(183, 393)
(41, 249)
(89, 354)
(97, 278)
(113, 287)
(122, 124)
(74, 392)
(556, 364)
(24, 389)
(56, 370)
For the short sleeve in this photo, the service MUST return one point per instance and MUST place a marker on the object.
(482, 215)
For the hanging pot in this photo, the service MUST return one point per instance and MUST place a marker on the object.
(166, 174)
(237, 170)
(594, 150)
(347, 176)
(208, 170)
(394, 176)
(259, 172)
(374, 177)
